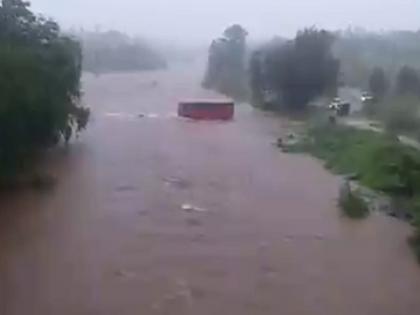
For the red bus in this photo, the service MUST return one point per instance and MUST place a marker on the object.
(211, 109)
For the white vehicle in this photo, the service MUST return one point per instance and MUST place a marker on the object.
(366, 97)
(335, 103)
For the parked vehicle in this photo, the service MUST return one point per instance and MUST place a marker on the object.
(366, 97)
(339, 107)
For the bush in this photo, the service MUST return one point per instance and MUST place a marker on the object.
(351, 204)
(378, 83)
(401, 113)
(408, 81)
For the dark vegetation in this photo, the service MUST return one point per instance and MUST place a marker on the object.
(361, 51)
(226, 63)
(397, 107)
(352, 204)
(113, 51)
(387, 64)
(408, 81)
(378, 84)
(39, 86)
(288, 75)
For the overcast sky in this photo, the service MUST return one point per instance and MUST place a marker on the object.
(201, 20)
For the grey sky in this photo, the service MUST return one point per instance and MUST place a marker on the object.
(205, 19)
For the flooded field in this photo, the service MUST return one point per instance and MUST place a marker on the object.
(157, 215)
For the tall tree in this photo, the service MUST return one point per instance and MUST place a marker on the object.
(378, 83)
(408, 81)
(257, 78)
(298, 71)
(226, 69)
(40, 94)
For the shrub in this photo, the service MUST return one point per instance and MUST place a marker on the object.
(351, 204)
(401, 113)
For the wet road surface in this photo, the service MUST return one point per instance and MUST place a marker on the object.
(113, 236)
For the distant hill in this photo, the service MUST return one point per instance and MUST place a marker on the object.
(113, 51)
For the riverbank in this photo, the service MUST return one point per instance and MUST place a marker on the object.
(384, 171)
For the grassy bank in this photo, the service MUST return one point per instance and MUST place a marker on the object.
(378, 161)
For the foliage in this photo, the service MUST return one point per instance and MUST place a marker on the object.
(226, 63)
(381, 162)
(401, 113)
(114, 51)
(39, 85)
(378, 83)
(353, 205)
(360, 52)
(415, 243)
(294, 73)
(408, 81)
(256, 78)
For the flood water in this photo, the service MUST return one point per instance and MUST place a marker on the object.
(113, 236)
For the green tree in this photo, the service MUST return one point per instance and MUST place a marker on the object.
(408, 81)
(295, 72)
(257, 78)
(39, 85)
(226, 63)
(378, 83)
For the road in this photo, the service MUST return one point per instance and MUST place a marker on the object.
(113, 238)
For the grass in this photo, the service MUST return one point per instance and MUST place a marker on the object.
(378, 161)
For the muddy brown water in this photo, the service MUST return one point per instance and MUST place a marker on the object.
(113, 238)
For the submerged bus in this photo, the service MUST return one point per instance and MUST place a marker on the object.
(207, 109)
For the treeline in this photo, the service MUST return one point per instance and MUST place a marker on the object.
(395, 100)
(39, 86)
(361, 51)
(280, 72)
(114, 51)
(289, 74)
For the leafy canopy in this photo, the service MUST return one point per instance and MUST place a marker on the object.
(40, 94)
